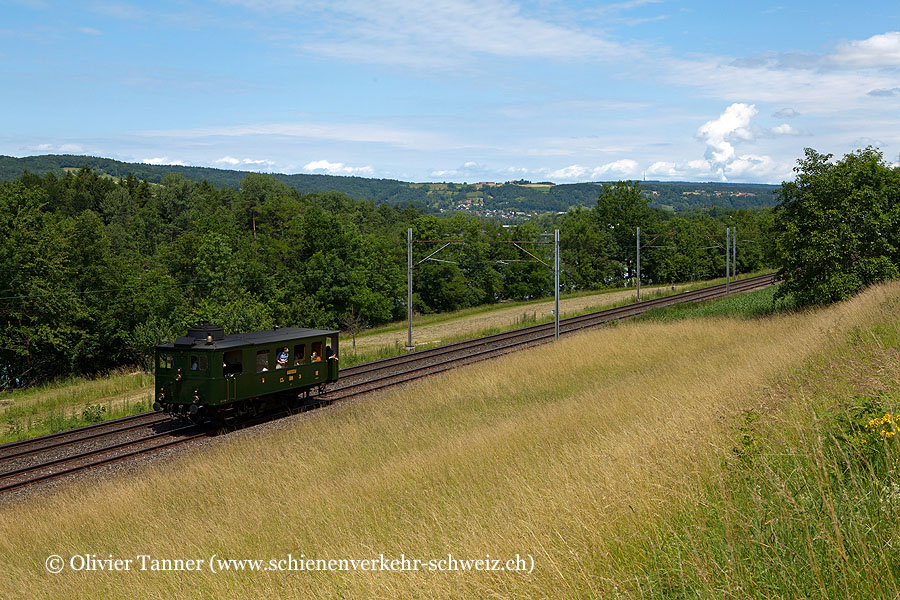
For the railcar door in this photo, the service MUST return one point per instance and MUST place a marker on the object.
(232, 367)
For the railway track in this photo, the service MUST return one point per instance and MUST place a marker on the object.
(538, 333)
(53, 456)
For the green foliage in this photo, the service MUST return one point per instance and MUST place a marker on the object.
(104, 266)
(93, 413)
(838, 226)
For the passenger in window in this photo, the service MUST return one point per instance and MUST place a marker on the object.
(329, 354)
(315, 357)
(194, 364)
(282, 360)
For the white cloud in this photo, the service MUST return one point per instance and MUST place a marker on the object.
(89, 30)
(747, 167)
(444, 173)
(623, 167)
(619, 168)
(337, 168)
(68, 148)
(751, 166)
(784, 129)
(664, 169)
(882, 50)
(230, 160)
(163, 160)
(719, 134)
(568, 173)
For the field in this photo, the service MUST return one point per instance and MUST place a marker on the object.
(688, 458)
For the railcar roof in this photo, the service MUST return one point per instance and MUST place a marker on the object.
(237, 340)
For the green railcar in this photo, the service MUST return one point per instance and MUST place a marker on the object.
(207, 373)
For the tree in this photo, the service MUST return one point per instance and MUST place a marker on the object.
(586, 251)
(837, 226)
(622, 207)
(352, 322)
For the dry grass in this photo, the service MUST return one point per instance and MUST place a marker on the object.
(564, 452)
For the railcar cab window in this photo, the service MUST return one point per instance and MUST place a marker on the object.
(232, 363)
(262, 361)
(299, 354)
(316, 355)
(198, 363)
(165, 361)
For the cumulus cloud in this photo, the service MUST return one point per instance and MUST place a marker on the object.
(721, 133)
(337, 168)
(882, 50)
(623, 167)
(784, 129)
(664, 169)
(230, 160)
(619, 168)
(721, 159)
(568, 173)
(163, 160)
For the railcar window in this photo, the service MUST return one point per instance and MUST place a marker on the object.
(299, 354)
(330, 347)
(198, 363)
(262, 361)
(282, 356)
(165, 361)
(232, 363)
(316, 355)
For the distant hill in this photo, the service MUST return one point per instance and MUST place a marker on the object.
(505, 200)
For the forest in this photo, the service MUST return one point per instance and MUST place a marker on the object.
(98, 269)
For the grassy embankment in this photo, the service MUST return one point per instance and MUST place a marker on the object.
(694, 458)
(71, 403)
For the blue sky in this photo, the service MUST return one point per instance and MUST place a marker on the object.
(458, 90)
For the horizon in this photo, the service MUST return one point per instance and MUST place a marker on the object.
(455, 91)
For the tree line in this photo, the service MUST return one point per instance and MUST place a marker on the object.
(98, 269)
